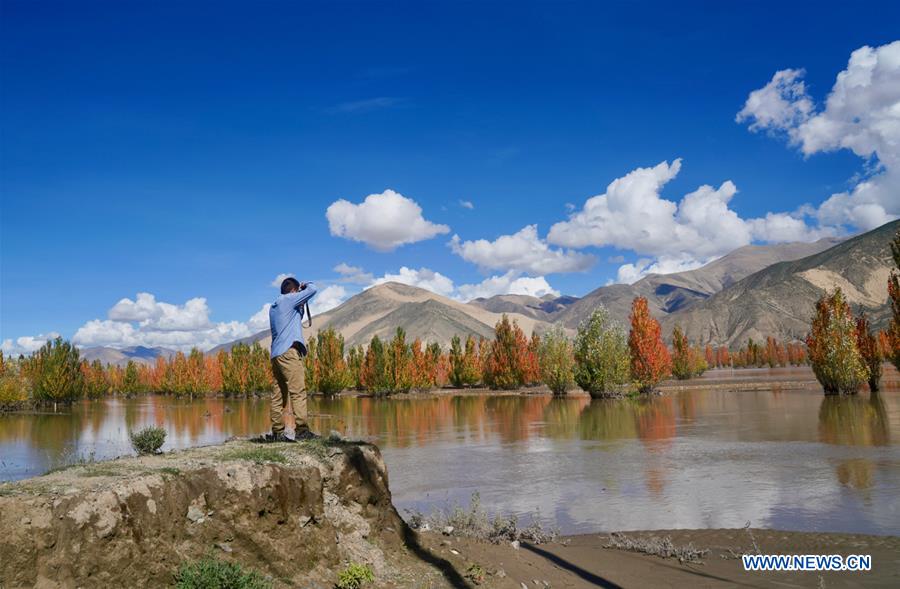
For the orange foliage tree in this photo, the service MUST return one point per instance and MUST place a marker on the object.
(650, 359)
(869, 350)
(507, 359)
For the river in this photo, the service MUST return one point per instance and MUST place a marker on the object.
(786, 459)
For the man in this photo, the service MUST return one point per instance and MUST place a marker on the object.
(288, 350)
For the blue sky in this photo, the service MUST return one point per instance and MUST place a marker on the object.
(191, 150)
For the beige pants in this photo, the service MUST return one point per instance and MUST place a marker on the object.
(290, 381)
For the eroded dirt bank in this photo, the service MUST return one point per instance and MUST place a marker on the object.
(300, 513)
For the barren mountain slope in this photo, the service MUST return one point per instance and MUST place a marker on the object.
(779, 300)
(669, 293)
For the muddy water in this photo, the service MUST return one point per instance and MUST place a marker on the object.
(789, 459)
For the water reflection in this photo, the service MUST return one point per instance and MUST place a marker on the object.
(854, 420)
(791, 459)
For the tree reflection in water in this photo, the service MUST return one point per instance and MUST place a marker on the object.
(854, 421)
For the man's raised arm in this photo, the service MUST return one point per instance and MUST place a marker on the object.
(302, 296)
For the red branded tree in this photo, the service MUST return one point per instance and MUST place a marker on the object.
(650, 359)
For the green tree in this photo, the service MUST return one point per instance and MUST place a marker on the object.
(260, 372)
(355, 358)
(687, 362)
(833, 350)
(457, 365)
(235, 367)
(131, 383)
(55, 371)
(601, 355)
(557, 364)
(333, 374)
(400, 361)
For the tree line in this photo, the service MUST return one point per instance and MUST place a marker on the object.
(602, 359)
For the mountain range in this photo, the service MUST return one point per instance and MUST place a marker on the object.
(754, 291)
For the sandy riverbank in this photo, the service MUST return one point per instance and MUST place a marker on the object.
(582, 562)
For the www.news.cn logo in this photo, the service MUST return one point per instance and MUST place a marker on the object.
(807, 562)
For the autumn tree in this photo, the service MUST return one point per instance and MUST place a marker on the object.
(650, 360)
(601, 355)
(213, 373)
(333, 374)
(434, 360)
(507, 360)
(179, 381)
(474, 360)
(832, 345)
(422, 379)
(96, 382)
(532, 360)
(557, 364)
(197, 379)
(869, 351)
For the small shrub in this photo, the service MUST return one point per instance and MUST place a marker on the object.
(211, 573)
(354, 576)
(148, 440)
(476, 573)
(662, 547)
(475, 522)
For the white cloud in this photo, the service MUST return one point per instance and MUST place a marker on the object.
(26, 344)
(509, 283)
(861, 113)
(466, 204)
(145, 321)
(632, 215)
(353, 274)
(631, 273)
(383, 221)
(259, 321)
(780, 104)
(328, 298)
(523, 251)
(276, 282)
(191, 316)
(422, 278)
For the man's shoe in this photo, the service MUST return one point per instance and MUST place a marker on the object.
(280, 437)
(304, 435)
